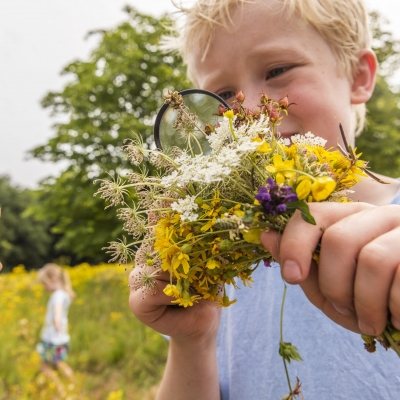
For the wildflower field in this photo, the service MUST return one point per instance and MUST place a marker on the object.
(114, 357)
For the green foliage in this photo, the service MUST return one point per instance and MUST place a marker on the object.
(109, 97)
(80, 225)
(380, 142)
(23, 239)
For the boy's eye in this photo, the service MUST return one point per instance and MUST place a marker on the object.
(226, 95)
(273, 73)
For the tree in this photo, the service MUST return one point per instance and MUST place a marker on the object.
(79, 223)
(23, 239)
(380, 142)
(109, 97)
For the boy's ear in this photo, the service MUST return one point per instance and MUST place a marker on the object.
(364, 79)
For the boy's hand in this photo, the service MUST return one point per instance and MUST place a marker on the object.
(154, 309)
(357, 279)
(191, 370)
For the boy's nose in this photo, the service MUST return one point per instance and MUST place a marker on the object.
(252, 95)
(252, 101)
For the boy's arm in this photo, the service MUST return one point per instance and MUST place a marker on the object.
(191, 369)
(190, 372)
(357, 279)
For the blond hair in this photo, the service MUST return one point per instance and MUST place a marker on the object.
(53, 273)
(343, 24)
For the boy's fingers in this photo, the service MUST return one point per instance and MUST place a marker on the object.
(310, 288)
(147, 298)
(374, 282)
(300, 238)
(357, 266)
(271, 240)
(394, 299)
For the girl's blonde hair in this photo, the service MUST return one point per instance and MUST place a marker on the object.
(343, 24)
(53, 273)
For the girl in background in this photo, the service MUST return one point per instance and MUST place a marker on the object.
(54, 343)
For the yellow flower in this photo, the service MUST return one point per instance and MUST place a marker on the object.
(252, 235)
(115, 316)
(116, 395)
(180, 259)
(303, 189)
(171, 290)
(322, 188)
(212, 263)
(264, 146)
(284, 169)
(229, 114)
(186, 300)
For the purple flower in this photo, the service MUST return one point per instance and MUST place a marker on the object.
(267, 263)
(274, 198)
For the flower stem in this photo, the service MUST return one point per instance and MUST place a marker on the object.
(281, 336)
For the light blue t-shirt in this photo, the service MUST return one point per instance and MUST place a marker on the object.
(335, 364)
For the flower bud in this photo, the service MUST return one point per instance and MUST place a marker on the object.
(284, 102)
(221, 109)
(240, 96)
(273, 114)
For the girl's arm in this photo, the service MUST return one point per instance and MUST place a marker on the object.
(58, 316)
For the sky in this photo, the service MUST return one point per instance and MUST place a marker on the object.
(37, 39)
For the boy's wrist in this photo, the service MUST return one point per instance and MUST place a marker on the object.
(194, 342)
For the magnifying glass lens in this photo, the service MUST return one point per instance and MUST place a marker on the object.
(186, 125)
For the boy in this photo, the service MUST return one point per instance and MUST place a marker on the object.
(317, 53)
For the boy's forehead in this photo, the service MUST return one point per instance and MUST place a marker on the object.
(258, 33)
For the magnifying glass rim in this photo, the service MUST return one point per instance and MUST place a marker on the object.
(164, 107)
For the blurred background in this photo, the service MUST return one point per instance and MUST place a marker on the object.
(76, 79)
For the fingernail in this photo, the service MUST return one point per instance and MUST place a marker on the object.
(366, 329)
(342, 310)
(291, 271)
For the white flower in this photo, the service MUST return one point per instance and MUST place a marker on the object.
(308, 139)
(226, 156)
(258, 127)
(186, 207)
(203, 169)
(220, 137)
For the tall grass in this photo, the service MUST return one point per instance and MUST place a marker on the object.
(113, 355)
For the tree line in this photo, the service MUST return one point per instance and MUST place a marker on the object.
(111, 95)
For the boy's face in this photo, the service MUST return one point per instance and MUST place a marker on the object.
(266, 53)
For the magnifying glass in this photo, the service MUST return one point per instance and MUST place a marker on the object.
(184, 123)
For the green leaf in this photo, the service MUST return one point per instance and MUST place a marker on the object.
(289, 352)
(302, 206)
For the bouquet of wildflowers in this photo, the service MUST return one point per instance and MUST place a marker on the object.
(200, 217)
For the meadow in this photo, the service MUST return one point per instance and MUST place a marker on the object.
(113, 355)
